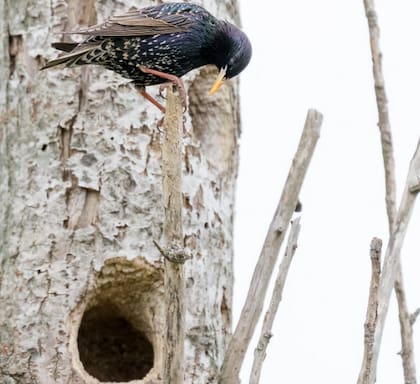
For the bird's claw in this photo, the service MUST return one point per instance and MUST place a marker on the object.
(181, 90)
(172, 78)
(162, 87)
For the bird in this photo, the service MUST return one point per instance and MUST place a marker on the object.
(161, 43)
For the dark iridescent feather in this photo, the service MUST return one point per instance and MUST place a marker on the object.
(66, 47)
(173, 38)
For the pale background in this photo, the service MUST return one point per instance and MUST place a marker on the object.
(315, 54)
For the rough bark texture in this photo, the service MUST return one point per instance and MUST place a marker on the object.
(372, 310)
(81, 282)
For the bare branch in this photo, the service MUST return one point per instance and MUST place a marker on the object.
(406, 331)
(382, 105)
(253, 306)
(372, 309)
(390, 188)
(391, 261)
(260, 350)
(173, 369)
(414, 315)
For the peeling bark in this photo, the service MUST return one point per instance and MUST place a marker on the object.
(81, 190)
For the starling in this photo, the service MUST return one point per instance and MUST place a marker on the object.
(159, 43)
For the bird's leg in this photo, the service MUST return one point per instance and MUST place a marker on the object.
(172, 78)
(150, 98)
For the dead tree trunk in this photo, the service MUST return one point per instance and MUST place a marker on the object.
(81, 282)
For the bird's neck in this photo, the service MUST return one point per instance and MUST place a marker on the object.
(218, 46)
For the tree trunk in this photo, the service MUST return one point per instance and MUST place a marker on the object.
(81, 282)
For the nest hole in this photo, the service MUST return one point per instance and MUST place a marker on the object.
(111, 348)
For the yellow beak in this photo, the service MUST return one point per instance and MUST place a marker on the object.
(219, 81)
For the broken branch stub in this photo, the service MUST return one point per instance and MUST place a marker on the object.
(172, 233)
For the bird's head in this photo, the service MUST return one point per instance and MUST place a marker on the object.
(234, 53)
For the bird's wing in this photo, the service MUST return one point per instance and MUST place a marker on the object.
(138, 23)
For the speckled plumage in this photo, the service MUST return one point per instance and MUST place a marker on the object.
(173, 38)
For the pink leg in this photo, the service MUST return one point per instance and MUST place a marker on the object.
(172, 78)
(150, 98)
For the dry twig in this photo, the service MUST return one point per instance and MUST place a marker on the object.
(265, 336)
(383, 116)
(372, 309)
(406, 330)
(391, 261)
(390, 188)
(253, 306)
(173, 369)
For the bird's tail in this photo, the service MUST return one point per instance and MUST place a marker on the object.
(66, 47)
(74, 51)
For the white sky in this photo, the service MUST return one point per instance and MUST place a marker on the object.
(315, 54)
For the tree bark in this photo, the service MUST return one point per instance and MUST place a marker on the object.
(81, 281)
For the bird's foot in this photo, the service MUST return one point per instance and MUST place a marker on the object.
(156, 103)
(159, 124)
(172, 78)
(163, 87)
